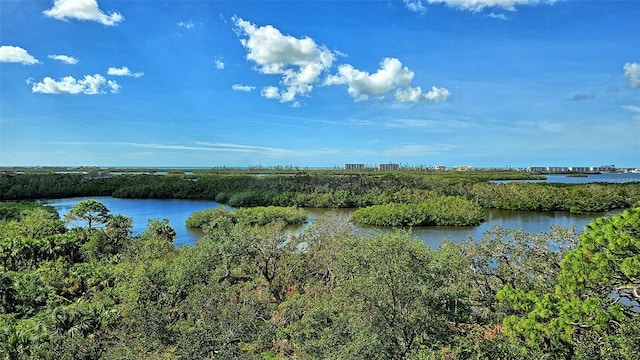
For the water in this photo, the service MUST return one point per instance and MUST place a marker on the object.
(529, 221)
(142, 210)
(590, 178)
(177, 212)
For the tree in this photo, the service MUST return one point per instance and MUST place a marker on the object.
(109, 240)
(91, 211)
(160, 230)
(383, 305)
(596, 294)
(606, 260)
(504, 257)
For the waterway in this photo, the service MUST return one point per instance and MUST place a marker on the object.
(590, 178)
(177, 211)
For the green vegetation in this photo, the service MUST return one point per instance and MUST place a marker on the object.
(248, 291)
(330, 189)
(247, 216)
(447, 210)
(596, 294)
(12, 210)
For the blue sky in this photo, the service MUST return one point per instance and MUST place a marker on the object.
(487, 83)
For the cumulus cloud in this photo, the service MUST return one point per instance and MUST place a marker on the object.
(271, 92)
(390, 76)
(479, 5)
(85, 10)
(415, 94)
(240, 87)
(89, 85)
(298, 61)
(123, 71)
(437, 94)
(632, 72)
(16, 54)
(64, 58)
(219, 64)
(410, 94)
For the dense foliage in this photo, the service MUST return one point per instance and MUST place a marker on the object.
(255, 292)
(13, 210)
(446, 210)
(596, 294)
(259, 215)
(330, 189)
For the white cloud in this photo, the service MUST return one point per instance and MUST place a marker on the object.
(299, 62)
(85, 10)
(123, 71)
(64, 58)
(271, 92)
(90, 85)
(437, 94)
(632, 72)
(415, 6)
(414, 94)
(219, 64)
(410, 94)
(240, 87)
(15, 54)
(186, 24)
(479, 5)
(390, 76)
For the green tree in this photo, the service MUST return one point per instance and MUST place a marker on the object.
(383, 305)
(595, 296)
(111, 239)
(91, 211)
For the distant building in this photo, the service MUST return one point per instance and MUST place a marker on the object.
(441, 168)
(604, 168)
(579, 169)
(557, 169)
(388, 167)
(572, 169)
(354, 166)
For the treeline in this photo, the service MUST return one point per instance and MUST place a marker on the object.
(254, 292)
(330, 190)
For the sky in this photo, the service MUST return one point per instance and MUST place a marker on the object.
(485, 83)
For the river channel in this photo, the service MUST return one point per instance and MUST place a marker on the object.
(177, 211)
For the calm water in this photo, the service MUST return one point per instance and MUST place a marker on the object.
(177, 212)
(141, 210)
(603, 178)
